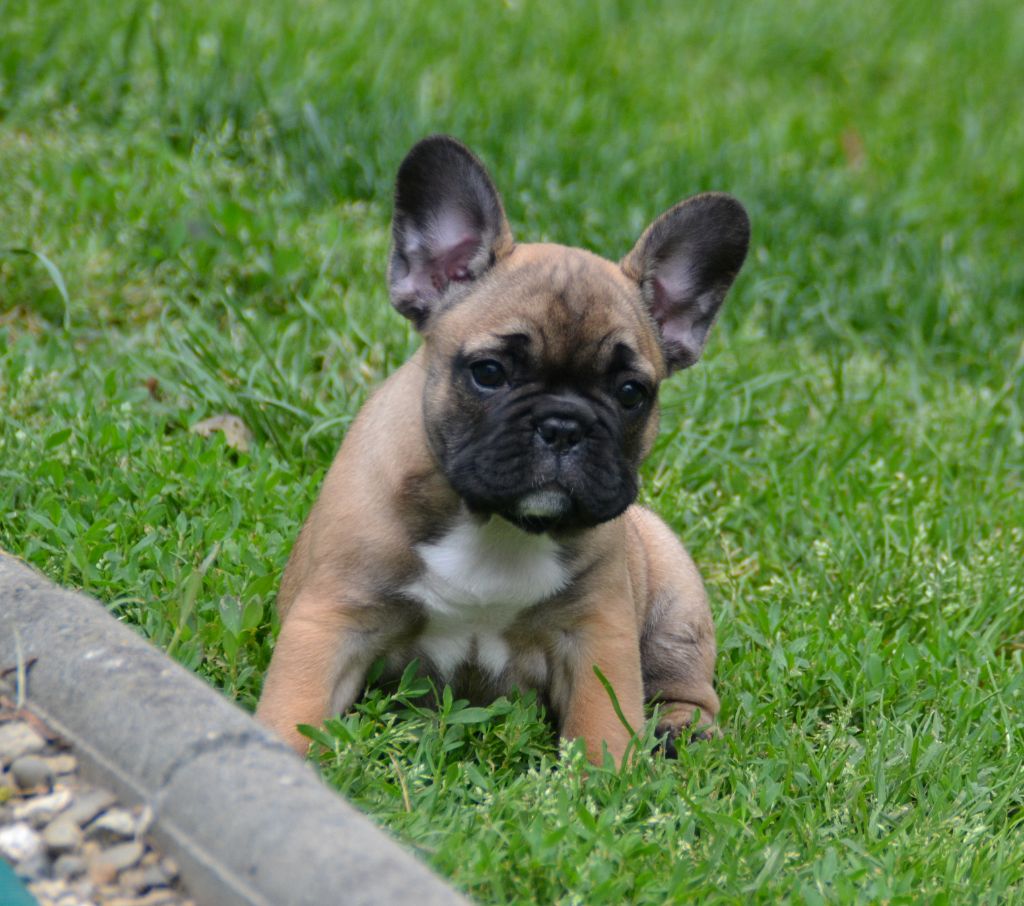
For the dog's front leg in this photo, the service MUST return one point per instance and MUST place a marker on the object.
(318, 667)
(605, 637)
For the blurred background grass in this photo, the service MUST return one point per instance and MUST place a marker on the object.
(877, 145)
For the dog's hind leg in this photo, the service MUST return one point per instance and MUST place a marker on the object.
(677, 637)
(678, 659)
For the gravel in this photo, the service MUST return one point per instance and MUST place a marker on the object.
(70, 841)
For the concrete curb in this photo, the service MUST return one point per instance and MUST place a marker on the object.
(247, 820)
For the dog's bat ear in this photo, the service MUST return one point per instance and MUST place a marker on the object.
(685, 263)
(449, 225)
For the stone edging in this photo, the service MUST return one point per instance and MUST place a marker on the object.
(246, 819)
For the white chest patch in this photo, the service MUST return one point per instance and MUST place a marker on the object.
(476, 580)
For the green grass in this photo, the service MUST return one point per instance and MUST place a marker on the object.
(212, 185)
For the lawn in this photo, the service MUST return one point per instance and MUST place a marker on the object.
(194, 206)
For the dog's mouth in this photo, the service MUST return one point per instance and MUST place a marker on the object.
(551, 502)
(543, 493)
(541, 510)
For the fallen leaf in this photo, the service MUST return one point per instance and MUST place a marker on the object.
(236, 432)
(853, 149)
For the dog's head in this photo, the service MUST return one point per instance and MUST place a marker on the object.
(544, 361)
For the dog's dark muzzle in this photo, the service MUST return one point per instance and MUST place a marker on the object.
(550, 461)
(563, 422)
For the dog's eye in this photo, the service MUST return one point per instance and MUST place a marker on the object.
(487, 374)
(631, 394)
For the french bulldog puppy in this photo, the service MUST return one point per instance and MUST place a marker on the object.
(479, 515)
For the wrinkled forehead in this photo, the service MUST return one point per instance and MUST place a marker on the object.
(558, 306)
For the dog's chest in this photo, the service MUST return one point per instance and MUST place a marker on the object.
(476, 580)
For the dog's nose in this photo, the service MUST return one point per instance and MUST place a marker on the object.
(559, 432)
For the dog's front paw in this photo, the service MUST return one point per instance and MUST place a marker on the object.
(682, 720)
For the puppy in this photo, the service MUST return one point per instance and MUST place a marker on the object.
(479, 515)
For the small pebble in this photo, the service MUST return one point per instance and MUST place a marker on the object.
(102, 873)
(19, 842)
(50, 891)
(122, 856)
(37, 866)
(41, 810)
(156, 898)
(170, 867)
(145, 816)
(31, 771)
(89, 805)
(62, 835)
(69, 866)
(63, 764)
(155, 876)
(134, 879)
(117, 822)
(86, 890)
(17, 739)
